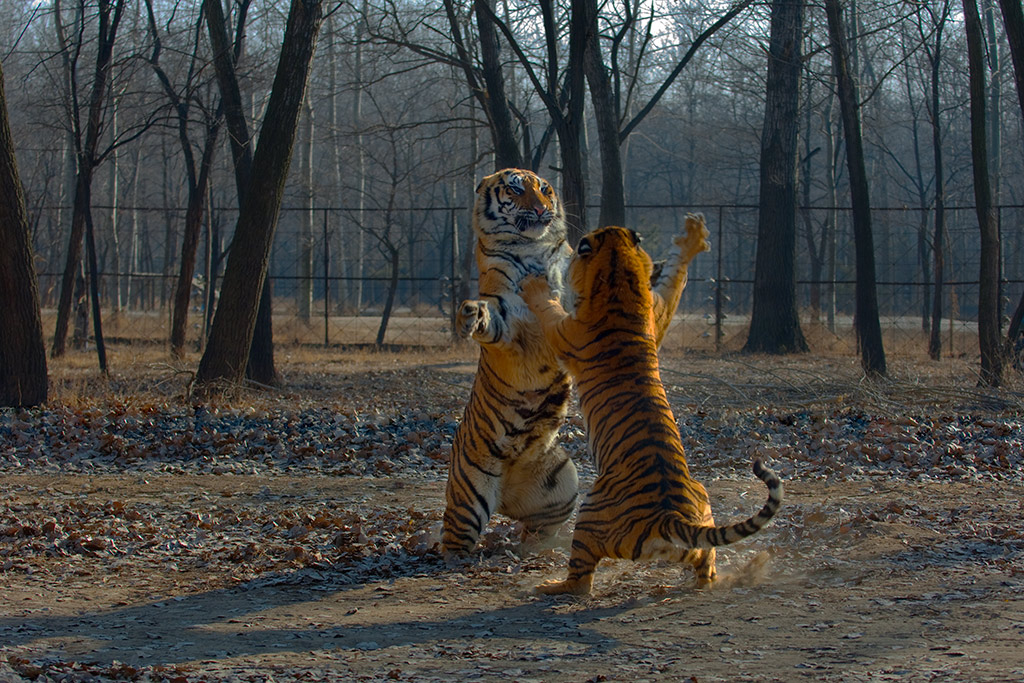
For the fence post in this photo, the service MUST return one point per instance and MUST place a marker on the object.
(327, 283)
(718, 286)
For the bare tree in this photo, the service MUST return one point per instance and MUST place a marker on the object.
(227, 350)
(87, 143)
(774, 322)
(1013, 20)
(260, 366)
(869, 332)
(988, 278)
(22, 350)
(197, 174)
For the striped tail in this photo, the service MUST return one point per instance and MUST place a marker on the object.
(711, 536)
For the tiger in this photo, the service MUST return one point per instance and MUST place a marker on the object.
(644, 505)
(505, 457)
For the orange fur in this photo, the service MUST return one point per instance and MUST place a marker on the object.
(644, 504)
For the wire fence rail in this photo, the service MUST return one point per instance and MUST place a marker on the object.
(334, 269)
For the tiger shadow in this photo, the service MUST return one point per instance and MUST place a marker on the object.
(224, 624)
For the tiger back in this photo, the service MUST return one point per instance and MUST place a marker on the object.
(644, 504)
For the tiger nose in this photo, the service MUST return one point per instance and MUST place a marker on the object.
(539, 209)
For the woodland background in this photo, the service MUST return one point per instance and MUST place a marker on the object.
(398, 123)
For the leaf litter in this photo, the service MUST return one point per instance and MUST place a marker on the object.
(335, 488)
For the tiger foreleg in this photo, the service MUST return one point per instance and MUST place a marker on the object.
(476, 320)
(668, 286)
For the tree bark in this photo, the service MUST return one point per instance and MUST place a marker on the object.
(494, 99)
(613, 196)
(869, 332)
(23, 379)
(260, 366)
(938, 236)
(774, 322)
(1013, 21)
(231, 334)
(988, 277)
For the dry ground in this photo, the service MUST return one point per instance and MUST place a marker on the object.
(147, 536)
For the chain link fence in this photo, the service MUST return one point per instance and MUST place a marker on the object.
(346, 277)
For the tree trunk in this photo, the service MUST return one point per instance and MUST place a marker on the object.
(869, 332)
(988, 279)
(570, 126)
(23, 379)
(231, 334)
(1013, 20)
(389, 301)
(305, 288)
(613, 198)
(109, 19)
(260, 365)
(938, 237)
(774, 322)
(494, 98)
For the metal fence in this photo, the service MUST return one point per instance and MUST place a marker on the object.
(334, 269)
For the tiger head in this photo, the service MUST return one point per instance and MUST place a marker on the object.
(610, 271)
(517, 202)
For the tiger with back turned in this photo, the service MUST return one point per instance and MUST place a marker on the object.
(643, 505)
(505, 457)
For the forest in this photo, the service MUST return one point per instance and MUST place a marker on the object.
(131, 121)
(233, 237)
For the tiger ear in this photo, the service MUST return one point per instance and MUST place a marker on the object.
(487, 180)
(584, 248)
(637, 239)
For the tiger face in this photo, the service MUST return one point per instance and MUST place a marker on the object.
(609, 269)
(516, 202)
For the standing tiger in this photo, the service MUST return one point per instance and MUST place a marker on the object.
(504, 456)
(643, 504)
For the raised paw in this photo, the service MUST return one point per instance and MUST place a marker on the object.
(696, 238)
(472, 318)
(534, 289)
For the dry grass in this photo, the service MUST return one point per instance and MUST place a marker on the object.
(693, 377)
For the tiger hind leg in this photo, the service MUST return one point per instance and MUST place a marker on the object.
(471, 497)
(586, 554)
(703, 562)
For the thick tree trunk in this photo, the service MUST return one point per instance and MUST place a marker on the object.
(260, 365)
(613, 197)
(570, 127)
(869, 332)
(494, 98)
(988, 279)
(774, 322)
(22, 349)
(1013, 20)
(231, 335)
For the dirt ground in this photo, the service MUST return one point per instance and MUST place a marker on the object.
(291, 537)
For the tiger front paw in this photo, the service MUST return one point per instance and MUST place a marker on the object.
(696, 238)
(472, 318)
(535, 291)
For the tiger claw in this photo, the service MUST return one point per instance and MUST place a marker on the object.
(696, 238)
(472, 318)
